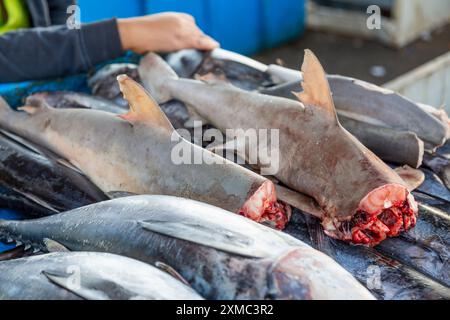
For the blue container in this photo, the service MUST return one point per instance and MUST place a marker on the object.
(8, 215)
(242, 26)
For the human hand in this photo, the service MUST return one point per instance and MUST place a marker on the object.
(163, 32)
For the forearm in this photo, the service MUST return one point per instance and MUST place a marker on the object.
(56, 51)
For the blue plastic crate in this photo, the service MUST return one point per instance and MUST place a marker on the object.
(8, 215)
(244, 26)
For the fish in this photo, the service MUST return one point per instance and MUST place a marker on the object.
(103, 83)
(433, 186)
(440, 166)
(87, 276)
(357, 192)
(385, 277)
(139, 152)
(366, 102)
(241, 71)
(220, 254)
(46, 185)
(13, 200)
(68, 99)
(402, 147)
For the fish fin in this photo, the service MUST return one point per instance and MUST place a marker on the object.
(299, 201)
(54, 246)
(213, 237)
(36, 200)
(72, 283)
(143, 108)
(237, 146)
(33, 109)
(212, 79)
(171, 271)
(316, 90)
(120, 194)
(69, 165)
(412, 177)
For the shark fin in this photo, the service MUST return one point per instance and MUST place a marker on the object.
(316, 90)
(412, 177)
(54, 246)
(143, 108)
(171, 271)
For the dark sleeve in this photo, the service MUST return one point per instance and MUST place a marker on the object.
(40, 53)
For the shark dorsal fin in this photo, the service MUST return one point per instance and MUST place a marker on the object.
(143, 108)
(316, 90)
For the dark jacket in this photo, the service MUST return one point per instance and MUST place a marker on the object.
(50, 49)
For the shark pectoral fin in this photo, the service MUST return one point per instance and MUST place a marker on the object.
(171, 271)
(412, 177)
(54, 246)
(299, 201)
(234, 146)
(316, 90)
(143, 108)
(72, 283)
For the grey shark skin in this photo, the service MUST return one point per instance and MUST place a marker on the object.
(221, 255)
(135, 153)
(366, 102)
(87, 275)
(317, 156)
(46, 185)
(67, 99)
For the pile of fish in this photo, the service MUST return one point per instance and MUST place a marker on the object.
(99, 169)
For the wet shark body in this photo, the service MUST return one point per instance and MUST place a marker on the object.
(221, 255)
(360, 105)
(140, 157)
(37, 183)
(87, 275)
(328, 161)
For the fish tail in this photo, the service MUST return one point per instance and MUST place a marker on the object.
(156, 75)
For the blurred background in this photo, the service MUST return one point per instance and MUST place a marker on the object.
(407, 51)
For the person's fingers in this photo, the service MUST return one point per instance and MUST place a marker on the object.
(205, 43)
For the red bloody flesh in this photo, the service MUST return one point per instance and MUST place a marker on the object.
(263, 207)
(384, 212)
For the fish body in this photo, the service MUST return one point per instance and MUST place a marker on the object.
(385, 276)
(68, 100)
(38, 183)
(104, 82)
(221, 255)
(317, 156)
(140, 153)
(87, 275)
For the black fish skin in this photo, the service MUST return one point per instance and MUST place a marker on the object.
(43, 181)
(118, 226)
(13, 200)
(104, 82)
(397, 280)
